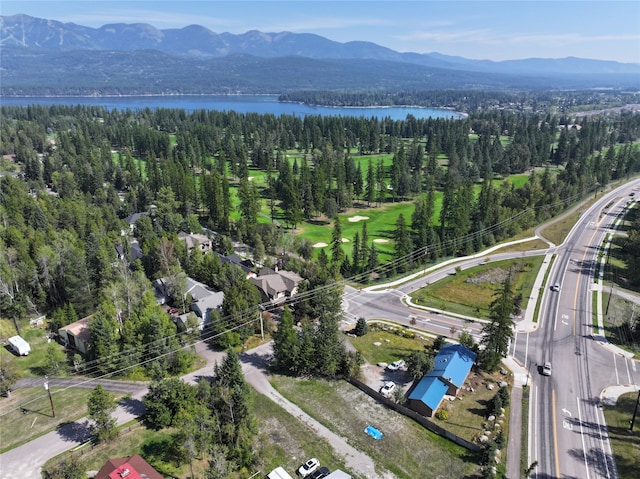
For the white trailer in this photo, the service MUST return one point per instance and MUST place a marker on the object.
(19, 345)
(278, 473)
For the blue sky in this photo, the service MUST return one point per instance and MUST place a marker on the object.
(478, 29)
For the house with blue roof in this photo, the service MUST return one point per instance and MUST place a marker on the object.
(452, 365)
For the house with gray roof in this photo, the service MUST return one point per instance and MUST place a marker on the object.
(276, 286)
(196, 240)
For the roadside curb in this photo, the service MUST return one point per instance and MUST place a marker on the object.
(602, 341)
(609, 395)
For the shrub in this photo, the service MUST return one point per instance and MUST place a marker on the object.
(442, 414)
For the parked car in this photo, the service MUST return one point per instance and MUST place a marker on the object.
(546, 369)
(320, 473)
(394, 366)
(309, 467)
(387, 389)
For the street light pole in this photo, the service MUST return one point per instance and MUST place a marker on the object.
(46, 387)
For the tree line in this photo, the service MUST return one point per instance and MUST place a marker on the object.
(79, 171)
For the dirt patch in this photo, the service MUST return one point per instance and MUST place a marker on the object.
(492, 276)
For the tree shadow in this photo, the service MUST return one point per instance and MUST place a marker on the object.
(74, 431)
(482, 412)
(260, 361)
(595, 458)
(133, 406)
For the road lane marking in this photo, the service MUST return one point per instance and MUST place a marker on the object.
(526, 354)
(584, 448)
(615, 366)
(626, 363)
(602, 442)
(567, 425)
(555, 431)
(533, 421)
(566, 412)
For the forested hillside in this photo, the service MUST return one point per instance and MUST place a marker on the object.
(73, 174)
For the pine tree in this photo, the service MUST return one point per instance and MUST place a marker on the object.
(337, 253)
(499, 331)
(286, 345)
(101, 405)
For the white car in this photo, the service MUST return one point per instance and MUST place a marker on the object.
(309, 467)
(394, 366)
(546, 369)
(388, 388)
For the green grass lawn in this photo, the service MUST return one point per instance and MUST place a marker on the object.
(406, 449)
(17, 428)
(392, 347)
(33, 364)
(470, 292)
(625, 443)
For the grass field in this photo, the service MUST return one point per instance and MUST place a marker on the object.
(33, 364)
(470, 292)
(406, 449)
(625, 443)
(392, 346)
(17, 428)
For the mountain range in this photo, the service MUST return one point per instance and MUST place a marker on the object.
(139, 58)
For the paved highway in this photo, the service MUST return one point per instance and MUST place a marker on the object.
(568, 434)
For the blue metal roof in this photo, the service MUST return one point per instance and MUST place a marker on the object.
(453, 363)
(430, 390)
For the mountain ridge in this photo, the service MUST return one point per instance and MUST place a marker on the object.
(200, 42)
(138, 58)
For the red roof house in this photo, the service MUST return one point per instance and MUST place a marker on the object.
(134, 467)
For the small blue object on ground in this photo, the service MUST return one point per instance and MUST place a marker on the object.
(373, 432)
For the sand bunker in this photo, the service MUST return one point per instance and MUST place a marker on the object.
(320, 245)
(249, 178)
(355, 219)
(345, 240)
(380, 240)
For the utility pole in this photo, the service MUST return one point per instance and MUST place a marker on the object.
(635, 412)
(46, 387)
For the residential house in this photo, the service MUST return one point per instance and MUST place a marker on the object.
(245, 264)
(452, 365)
(276, 286)
(195, 240)
(133, 467)
(132, 220)
(76, 335)
(203, 298)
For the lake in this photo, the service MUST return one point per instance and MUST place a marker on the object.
(261, 104)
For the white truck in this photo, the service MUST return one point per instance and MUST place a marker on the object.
(19, 345)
